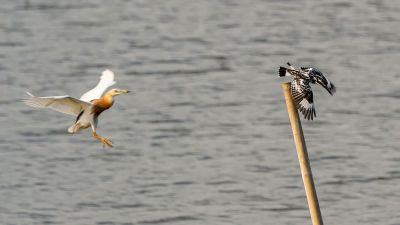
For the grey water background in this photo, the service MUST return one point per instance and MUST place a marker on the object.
(205, 137)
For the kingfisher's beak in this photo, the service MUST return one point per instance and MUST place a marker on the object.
(326, 88)
(330, 88)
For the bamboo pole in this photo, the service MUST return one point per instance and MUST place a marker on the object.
(302, 154)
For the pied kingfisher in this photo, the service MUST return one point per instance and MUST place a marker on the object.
(301, 89)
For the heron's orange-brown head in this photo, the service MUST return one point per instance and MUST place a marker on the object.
(115, 92)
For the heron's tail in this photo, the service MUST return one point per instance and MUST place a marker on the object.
(75, 128)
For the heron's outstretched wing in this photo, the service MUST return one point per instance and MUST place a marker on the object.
(64, 104)
(106, 80)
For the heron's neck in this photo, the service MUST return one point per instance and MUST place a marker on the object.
(99, 105)
(107, 100)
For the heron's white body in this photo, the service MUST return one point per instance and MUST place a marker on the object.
(84, 121)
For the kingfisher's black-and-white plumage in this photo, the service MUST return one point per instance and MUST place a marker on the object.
(301, 90)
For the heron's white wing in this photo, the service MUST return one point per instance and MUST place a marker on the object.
(106, 81)
(64, 104)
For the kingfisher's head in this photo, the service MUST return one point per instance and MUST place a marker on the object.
(322, 80)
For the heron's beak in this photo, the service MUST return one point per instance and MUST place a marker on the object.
(124, 91)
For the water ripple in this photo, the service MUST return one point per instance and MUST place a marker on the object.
(175, 219)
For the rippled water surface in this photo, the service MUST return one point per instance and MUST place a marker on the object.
(205, 137)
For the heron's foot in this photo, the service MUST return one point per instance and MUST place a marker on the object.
(104, 141)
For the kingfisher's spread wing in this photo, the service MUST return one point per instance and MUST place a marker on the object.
(303, 97)
(106, 81)
(64, 104)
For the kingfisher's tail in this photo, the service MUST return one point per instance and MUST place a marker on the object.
(282, 71)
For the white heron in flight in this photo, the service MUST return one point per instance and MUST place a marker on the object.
(86, 109)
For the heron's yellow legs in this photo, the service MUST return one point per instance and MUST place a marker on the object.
(104, 141)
